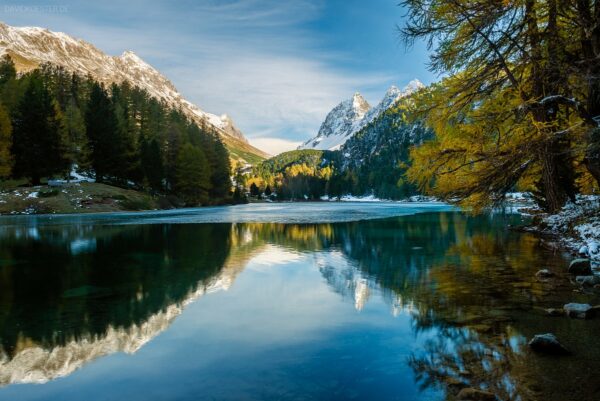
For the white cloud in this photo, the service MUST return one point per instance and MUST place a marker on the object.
(269, 95)
(251, 59)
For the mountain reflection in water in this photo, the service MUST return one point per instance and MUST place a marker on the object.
(70, 294)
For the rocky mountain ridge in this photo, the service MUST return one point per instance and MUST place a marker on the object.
(31, 46)
(352, 115)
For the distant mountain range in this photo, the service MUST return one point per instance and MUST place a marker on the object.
(359, 151)
(31, 46)
(352, 115)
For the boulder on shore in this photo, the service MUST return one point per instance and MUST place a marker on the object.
(475, 395)
(580, 267)
(547, 344)
(579, 311)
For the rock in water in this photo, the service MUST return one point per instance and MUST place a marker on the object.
(579, 311)
(547, 344)
(544, 273)
(588, 281)
(580, 267)
(554, 312)
(475, 395)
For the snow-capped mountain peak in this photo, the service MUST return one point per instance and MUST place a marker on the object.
(339, 123)
(413, 86)
(31, 46)
(352, 115)
(359, 104)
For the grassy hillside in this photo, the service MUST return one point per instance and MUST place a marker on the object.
(242, 151)
(73, 198)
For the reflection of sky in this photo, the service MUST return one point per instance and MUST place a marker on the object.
(82, 245)
(280, 332)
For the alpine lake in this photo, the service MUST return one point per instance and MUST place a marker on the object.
(305, 301)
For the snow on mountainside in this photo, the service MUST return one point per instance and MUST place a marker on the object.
(31, 46)
(339, 124)
(352, 115)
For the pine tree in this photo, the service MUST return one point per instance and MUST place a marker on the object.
(173, 148)
(152, 164)
(192, 175)
(129, 166)
(221, 170)
(103, 141)
(74, 135)
(8, 71)
(37, 143)
(6, 158)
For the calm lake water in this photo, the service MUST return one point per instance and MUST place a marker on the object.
(285, 302)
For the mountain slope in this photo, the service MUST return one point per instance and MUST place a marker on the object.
(377, 156)
(352, 115)
(30, 47)
(372, 161)
(339, 124)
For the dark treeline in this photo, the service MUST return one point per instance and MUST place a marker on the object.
(53, 122)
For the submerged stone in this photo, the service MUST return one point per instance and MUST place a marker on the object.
(554, 312)
(547, 344)
(544, 273)
(475, 395)
(579, 311)
(86, 291)
(588, 281)
(580, 267)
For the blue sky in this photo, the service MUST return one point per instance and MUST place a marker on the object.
(276, 67)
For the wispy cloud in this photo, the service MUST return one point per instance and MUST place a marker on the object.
(256, 60)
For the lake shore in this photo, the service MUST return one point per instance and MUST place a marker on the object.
(72, 198)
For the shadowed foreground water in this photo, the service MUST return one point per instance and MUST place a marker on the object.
(408, 308)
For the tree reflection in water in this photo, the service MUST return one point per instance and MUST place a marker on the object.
(84, 291)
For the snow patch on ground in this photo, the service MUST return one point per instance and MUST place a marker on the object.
(367, 198)
(579, 225)
(373, 198)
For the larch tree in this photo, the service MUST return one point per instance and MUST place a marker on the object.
(513, 107)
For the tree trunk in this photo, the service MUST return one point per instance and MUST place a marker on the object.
(552, 189)
(592, 155)
(589, 15)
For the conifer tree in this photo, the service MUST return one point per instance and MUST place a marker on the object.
(152, 164)
(532, 65)
(7, 70)
(101, 128)
(74, 135)
(221, 170)
(6, 158)
(192, 175)
(37, 143)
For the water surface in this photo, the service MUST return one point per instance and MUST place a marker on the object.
(375, 302)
